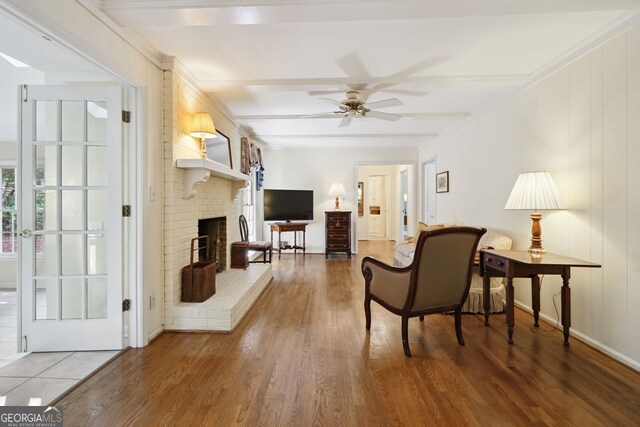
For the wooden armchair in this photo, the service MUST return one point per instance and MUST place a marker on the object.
(436, 281)
(263, 247)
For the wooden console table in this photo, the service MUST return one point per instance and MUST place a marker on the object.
(511, 264)
(284, 227)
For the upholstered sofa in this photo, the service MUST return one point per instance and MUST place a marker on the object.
(404, 255)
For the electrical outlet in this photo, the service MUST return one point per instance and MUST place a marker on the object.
(152, 301)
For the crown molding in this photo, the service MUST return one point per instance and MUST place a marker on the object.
(133, 39)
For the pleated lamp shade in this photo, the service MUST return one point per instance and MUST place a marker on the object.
(534, 191)
(202, 126)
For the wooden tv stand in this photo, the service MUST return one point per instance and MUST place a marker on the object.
(284, 227)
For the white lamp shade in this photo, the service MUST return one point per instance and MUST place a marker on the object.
(337, 189)
(534, 191)
(202, 126)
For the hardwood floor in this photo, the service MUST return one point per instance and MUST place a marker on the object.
(302, 357)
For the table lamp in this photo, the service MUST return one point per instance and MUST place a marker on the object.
(202, 127)
(337, 190)
(535, 191)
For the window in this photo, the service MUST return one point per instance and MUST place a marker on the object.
(8, 211)
(249, 206)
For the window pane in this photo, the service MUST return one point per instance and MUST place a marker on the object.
(46, 120)
(9, 233)
(97, 298)
(46, 209)
(46, 299)
(72, 298)
(96, 165)
(72, 121)
(72, 161)
(97, 121)
(97, 211)
(72, 209)
(97, 253)
(46, 165)
(72, 254)
(46, 250)
(8, 189)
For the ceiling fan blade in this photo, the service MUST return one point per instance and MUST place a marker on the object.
(334, 102)
(346, 121)
(391, 102)
(383, 116)
(330, 115)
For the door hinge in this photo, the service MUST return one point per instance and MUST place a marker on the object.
(126, 304)
(126, 210)
(126, 116)
(24, 93)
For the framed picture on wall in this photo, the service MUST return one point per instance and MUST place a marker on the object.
(442, 182)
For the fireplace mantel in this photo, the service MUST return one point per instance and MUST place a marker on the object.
(199, 170)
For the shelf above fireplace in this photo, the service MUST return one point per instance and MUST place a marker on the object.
(199, 170)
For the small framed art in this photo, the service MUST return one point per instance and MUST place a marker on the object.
(442, 182)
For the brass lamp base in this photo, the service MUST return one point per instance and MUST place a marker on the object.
(536, 233)
(203, 148)
(337, 204)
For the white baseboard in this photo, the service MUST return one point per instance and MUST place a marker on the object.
(155, 333)
(635, 365)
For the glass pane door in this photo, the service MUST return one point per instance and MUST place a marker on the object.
(72, 231)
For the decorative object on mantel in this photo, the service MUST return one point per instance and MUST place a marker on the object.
(202, 127)
(256, 161)
(535, 191)
(337, 190)
(218, 149)
(442, 182)
(199, 170)
(245, 162)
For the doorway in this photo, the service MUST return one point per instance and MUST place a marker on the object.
(386, 201)
(58, 183)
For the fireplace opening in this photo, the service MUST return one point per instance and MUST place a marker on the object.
(216, 229)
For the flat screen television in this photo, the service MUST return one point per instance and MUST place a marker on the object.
(285, 205)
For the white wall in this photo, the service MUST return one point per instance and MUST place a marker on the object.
(72, 23)
(316, 169)
(581, 124)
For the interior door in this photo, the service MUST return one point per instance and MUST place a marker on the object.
(377, 214)
(71, 218)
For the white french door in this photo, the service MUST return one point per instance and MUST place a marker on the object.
(71, 217)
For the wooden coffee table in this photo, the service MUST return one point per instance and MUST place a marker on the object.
(512, 264)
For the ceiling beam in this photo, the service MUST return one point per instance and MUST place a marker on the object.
(415, 116)
(346, 135)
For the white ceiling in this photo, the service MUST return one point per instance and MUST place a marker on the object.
(444, 59)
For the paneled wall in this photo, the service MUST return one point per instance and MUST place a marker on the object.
(582, 124)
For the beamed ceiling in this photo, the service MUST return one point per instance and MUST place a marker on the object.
(270, 62)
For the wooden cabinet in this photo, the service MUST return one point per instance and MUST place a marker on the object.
(337, 229)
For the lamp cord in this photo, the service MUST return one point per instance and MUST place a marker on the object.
(555, 307)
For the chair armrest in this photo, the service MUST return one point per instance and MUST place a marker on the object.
(388, 283)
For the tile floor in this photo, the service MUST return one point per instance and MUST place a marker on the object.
(39, 378)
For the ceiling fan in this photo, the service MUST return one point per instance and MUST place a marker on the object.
(353, 106)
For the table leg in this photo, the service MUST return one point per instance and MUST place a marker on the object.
(510, 309)
(295, 242)
(486, 291)
(566, 306)
(535, 298)
(279, 244)
(304, 242)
